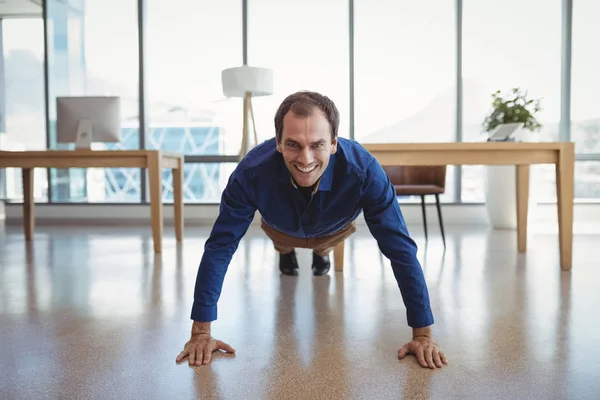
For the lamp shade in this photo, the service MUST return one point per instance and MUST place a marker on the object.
(239, 80)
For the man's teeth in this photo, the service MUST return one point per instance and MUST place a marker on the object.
(306, 170)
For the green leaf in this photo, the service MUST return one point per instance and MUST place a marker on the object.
(513, 107)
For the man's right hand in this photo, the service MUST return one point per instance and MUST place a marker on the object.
(201, 345)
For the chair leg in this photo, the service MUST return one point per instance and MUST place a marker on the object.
(424, 215)
(439, 210)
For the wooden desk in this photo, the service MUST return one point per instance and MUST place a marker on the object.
(522, 155)
(152, 160)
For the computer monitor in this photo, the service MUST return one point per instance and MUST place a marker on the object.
(84, 120)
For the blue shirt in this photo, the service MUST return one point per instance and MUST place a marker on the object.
(353, 182)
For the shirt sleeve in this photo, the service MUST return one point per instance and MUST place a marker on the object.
(236, 212)
(386, 223)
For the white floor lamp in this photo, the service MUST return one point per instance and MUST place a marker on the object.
(247, 82)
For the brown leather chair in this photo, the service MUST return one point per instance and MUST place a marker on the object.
(420, 181)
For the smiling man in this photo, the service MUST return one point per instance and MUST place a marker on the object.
(309, 187)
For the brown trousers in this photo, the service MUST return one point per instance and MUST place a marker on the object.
(322, 246)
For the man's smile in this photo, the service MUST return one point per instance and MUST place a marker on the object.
(305, 170)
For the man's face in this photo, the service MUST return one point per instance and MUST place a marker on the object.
(306, 146)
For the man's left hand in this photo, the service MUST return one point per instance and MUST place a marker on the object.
(426, 350)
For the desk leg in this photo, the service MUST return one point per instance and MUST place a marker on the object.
(178, 200)
(28, 203)
(338, 256)
(522, 205)
(156, 209)
(565, 176)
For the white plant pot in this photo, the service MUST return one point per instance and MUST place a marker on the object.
(501, 196)
(501, 186)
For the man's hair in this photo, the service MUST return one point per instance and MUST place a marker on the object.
(303, 104)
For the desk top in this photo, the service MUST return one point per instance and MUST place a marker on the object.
(88, 159)
(87, 153)
(468, 146)
(471, 153)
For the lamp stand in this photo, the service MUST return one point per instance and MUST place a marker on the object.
(248, 112)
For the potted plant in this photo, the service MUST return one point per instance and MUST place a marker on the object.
(514, 109)
(512, 115)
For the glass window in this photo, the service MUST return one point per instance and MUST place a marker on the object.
(405, 58)
(86, 58)
(189, 43)
(306, 44)
(405, 72)
(23, 122)
(587, 180)
(585, 91)
(504, 49)
(202, 182)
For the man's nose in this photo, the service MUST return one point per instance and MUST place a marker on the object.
(306, 156)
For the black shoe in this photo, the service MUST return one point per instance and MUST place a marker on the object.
(320, 265)
(288, 264)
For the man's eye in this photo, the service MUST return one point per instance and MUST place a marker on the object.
(292, 145)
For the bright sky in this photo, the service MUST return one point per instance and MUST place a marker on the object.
(404, 53)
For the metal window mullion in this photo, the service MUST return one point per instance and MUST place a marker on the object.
(587, 157)
(245, 32)
(565, 103)
(211, 159)
(459, 98)
(141, 14)
(3, 112)
(351, 67)
(47, 95)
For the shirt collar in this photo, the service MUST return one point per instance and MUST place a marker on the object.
(327, 178)
(323, 184)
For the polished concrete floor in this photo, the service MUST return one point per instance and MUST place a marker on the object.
(92, 313)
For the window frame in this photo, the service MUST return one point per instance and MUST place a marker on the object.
(565, 118)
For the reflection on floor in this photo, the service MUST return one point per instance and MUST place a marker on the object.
(92, 313)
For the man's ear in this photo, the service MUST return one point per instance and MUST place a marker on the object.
(279, 149)
(334, 144)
